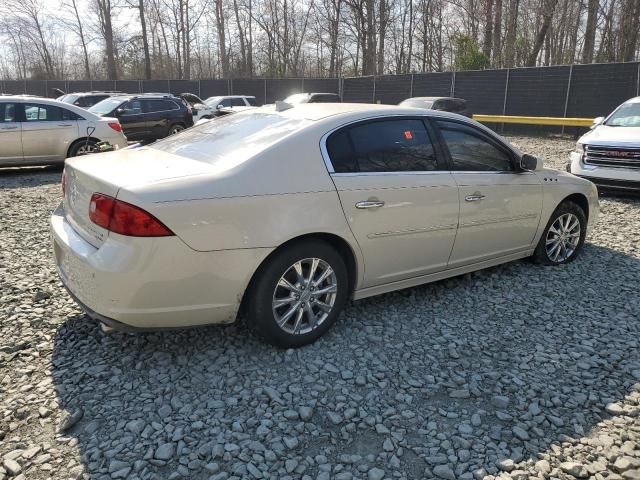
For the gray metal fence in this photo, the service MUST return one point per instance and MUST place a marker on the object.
(568, 90)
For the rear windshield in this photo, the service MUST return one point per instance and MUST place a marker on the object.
(229, 140)
(106, 106)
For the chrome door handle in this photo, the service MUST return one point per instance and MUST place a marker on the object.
(10, 128)
(370, 204)
(65, 124)
(474, 198)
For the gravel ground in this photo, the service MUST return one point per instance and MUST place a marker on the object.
(517, 371)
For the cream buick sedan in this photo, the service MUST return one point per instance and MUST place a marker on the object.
(284, 213)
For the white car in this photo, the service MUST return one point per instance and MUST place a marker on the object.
(609, 154)
(39, 131)
(231, 102)
(289, 213)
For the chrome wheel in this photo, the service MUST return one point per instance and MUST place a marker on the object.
(85, 149)
(176, 129)
(563, 237)
(304, 296)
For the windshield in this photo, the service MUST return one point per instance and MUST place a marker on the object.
(417, 103)
(297, 98)
(69, 98)
(229, 140)
(107, 105)
(212, 101)
(628, 115)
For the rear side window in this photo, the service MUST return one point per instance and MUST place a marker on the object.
(7, 112)
(383, 146)
(325, 99)
(470, 150)
(47, 113)
(159, 105)
(251, 101)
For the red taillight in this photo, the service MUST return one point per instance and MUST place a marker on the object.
(123, 218)
(116, 126)
(62, 182)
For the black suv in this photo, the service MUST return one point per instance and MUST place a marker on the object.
(86, 99)
(146, 117)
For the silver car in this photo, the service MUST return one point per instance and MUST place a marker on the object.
(40, 131)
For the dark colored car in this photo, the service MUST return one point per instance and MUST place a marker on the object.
(297, 98)
(445, 104)
(86, 99)
(146, 117)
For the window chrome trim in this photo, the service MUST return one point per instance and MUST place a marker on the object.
(425, 117)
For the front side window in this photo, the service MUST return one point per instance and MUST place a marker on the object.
(237, 102)
(7, 112)
(471, 150)
(226, 102)
(132, 107)
(383, 146)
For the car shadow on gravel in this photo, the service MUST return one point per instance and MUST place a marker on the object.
(457, 375)
(30, 176)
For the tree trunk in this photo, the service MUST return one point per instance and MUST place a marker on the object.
(542, 33)
(224, 60)
(510, 35)
(497, 35)
(488, 28)
(590, 31)
(145, 41)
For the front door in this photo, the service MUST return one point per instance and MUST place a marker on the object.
(10, 135)
(398, 198)
(500, 205)
(133, 121)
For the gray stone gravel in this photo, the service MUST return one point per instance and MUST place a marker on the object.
(514, 372)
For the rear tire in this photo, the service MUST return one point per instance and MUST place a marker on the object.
(83, 147)
(563, 236)
(298, 294)
(176, 128)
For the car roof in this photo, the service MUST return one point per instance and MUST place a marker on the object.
(432, 99)
(49, 101)
(633, 100)
(319, 111)
(97, 92)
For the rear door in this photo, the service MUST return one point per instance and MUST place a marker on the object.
(398, 197)
(47, 132)
(10, 134)
(500, 206)
(159, 114)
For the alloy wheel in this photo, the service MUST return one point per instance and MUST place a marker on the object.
(304, 296)
(563, 237)
(85, 149)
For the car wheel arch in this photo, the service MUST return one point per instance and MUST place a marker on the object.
(341, 245)
(80, 140)
(580, 200)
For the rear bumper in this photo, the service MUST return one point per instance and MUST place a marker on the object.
(618, 179)
(151, 283)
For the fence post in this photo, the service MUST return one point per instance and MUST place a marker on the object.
(411, 88)
(453, 83)
(374, 89)
(199, 88)
(566, 98)
(265, 92)
(638, 81)
(506, 96)
(302, 84)
(231, 86)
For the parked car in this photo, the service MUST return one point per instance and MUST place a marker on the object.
(190, 229)
(40, 131)
(298, 98)
(147, 117)
(86, 99)
(443, 104)
(231, 101)
(609, 154)
(199, 109)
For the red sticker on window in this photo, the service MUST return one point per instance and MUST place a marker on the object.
(407, 135)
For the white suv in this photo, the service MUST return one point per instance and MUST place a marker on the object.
(40, 131)
(609, 154)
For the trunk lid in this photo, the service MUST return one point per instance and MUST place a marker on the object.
(107, 173)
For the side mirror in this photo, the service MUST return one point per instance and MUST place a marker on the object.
(528, 162)
(119, 111)
(597, 121)
(219, 106)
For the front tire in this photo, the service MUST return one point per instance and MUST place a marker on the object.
(563, 237)
(176, 128)
(298, 294)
